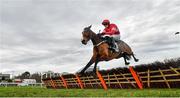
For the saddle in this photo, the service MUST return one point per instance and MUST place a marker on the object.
(113, 44)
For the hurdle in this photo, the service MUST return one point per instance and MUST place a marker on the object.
(79, 81)
(136, 78)
(64, 81)
(102, 80)
(122, 78)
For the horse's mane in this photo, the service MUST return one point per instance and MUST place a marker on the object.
(94, 34)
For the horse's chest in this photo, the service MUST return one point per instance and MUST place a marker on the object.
(102, 51)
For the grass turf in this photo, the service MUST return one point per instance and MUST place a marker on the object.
(43, 92)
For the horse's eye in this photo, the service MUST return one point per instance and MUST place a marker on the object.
(85, 34)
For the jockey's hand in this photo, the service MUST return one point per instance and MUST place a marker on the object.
(102, 33)
(99, 34)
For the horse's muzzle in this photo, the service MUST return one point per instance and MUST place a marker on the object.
(84, 42)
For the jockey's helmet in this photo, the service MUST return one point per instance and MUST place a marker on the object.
(105, 22)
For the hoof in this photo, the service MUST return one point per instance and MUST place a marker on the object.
(80, 73)
(94, 75)
(136, 60)
(127, 63)
(94, 71)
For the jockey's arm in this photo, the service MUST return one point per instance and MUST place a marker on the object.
(103, 33)
(113, 30)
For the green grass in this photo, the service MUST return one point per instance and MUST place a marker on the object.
(43, 92)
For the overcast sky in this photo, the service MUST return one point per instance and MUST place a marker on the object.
(42, 35)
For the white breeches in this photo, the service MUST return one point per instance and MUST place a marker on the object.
(116, 37)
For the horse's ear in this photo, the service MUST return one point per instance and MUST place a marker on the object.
(90, 27)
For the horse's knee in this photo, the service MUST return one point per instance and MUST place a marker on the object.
(104, 56)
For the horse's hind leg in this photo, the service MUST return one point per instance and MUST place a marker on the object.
(135, 59)
(126, 63)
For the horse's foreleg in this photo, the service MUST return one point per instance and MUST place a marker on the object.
(135, 59)
(95, 65)
(88, 65)
(95, 68)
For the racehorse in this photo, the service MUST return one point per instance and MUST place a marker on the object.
(101, 51)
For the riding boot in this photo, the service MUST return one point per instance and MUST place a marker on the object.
(115, 45)
(112, 44)
(109, 41)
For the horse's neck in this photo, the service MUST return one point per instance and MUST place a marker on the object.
(95, 39)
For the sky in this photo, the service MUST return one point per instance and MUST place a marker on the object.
(45, 35)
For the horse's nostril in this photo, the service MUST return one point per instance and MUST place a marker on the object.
(82, 41)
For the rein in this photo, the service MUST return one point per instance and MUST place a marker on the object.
(91, 34)
(99, 43)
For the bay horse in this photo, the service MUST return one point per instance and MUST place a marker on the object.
(101, 51)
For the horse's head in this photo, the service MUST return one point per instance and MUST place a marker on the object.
(86, 35)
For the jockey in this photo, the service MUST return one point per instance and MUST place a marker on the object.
(111, 34)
